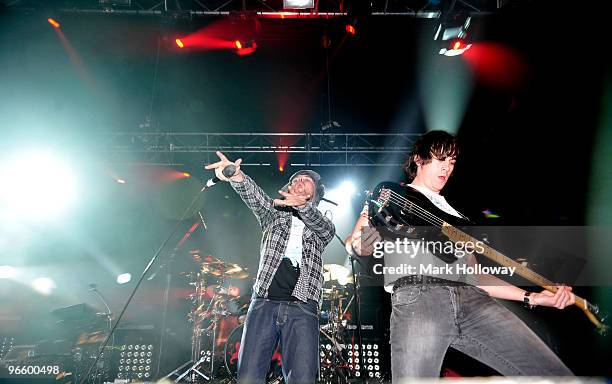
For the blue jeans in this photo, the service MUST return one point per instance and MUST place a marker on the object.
(293, 324)
(426, 320)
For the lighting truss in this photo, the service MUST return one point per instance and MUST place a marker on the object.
(263, 8)
(259, 149)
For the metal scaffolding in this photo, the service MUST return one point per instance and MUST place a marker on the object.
(263, 8)
(259, 149)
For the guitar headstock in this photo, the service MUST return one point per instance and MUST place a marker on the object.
(594, 314)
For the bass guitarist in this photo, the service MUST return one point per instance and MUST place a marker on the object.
(432, 312)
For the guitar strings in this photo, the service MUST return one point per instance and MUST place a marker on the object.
(416, 209)
(415, 206)
(400, 200)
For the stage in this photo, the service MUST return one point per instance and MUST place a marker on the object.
(115, 239)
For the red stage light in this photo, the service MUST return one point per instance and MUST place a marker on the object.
(350, 29)
(281, 168)
(238, 44)
(180, 43)
(53, 22)
(186, 174)
(457, 44)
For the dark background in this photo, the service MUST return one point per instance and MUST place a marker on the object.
(529, 102)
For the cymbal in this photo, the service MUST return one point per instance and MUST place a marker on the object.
(334, 294)
(221, 268)
(337, 272)
(230, 293)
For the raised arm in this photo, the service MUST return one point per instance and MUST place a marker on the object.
(254, 197)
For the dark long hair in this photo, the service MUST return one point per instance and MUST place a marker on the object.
(433, 144)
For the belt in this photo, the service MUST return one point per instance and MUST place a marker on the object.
(424, 280)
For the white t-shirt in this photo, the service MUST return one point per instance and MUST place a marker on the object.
(294, 246)
(437, 200)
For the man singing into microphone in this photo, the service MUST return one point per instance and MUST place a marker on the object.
(289, 279)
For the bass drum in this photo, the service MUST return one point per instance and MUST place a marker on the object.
(232, 348)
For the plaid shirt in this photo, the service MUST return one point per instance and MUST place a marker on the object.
(276, 227)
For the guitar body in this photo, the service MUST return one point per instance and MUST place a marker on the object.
(402, 211)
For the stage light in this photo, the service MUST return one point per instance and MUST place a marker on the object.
(179, 43)
(452, 35)
(245, 47)
(37, 186)
(281, 168)
(120, 180)
(455, 47)
(7, 272)
(350, 29)
(43, 285)
(298, 4)
(186, 174)
(347, 188)
(137, 362)
(124, 278)
(342, 196)
(245, 27)
(53, 23)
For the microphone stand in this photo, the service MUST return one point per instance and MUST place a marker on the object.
(209, 184)
(94, 289)
(162, 337)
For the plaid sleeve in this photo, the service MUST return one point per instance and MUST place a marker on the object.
(255, 198)
(317, 222)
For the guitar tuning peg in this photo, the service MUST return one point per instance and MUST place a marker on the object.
(603, 316)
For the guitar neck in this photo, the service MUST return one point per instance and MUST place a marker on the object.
(456, 234)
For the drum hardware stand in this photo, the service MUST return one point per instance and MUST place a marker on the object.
(357, 280)
(334, 355)
(196, 351)
(357, 295)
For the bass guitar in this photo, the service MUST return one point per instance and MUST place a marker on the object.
(400, 208)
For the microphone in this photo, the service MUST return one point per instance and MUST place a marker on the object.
(228, 171)
(94, 288)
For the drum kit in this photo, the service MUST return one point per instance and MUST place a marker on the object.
(217, 305)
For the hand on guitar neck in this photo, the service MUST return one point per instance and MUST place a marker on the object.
(561, 299)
